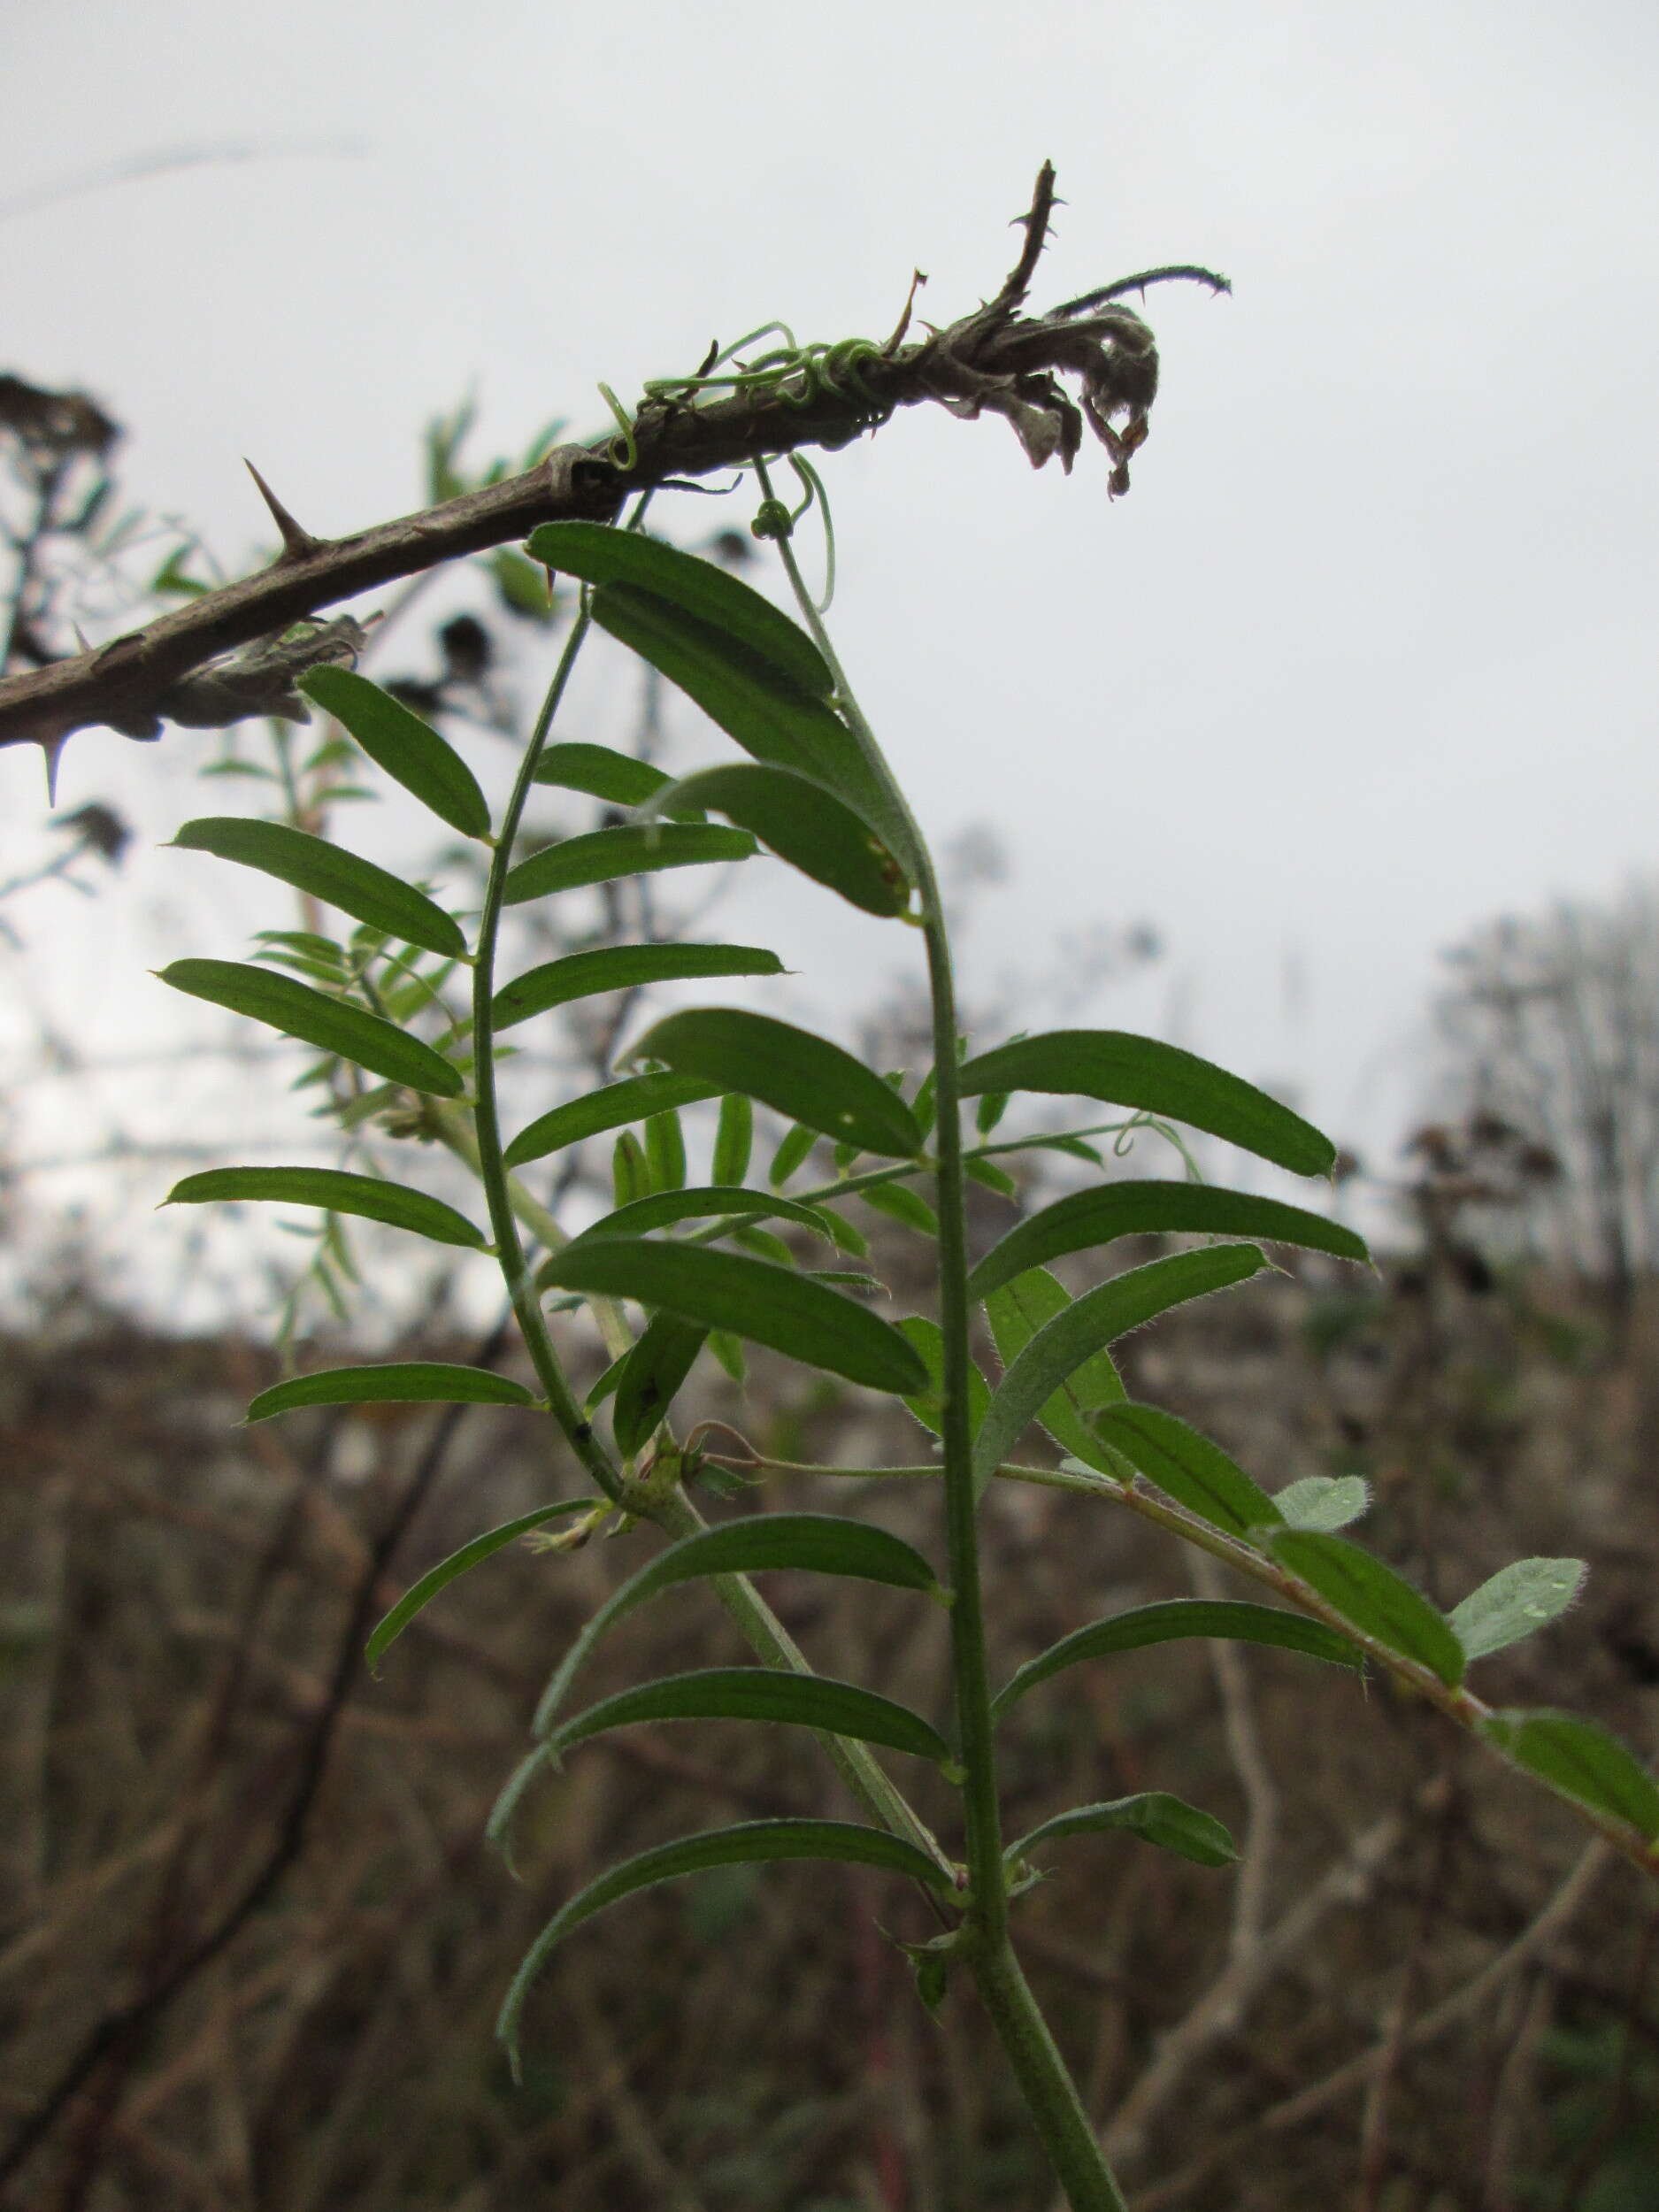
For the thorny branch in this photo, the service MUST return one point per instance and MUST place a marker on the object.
(995, 360)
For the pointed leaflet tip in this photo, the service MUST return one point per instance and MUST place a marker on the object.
(296, 540)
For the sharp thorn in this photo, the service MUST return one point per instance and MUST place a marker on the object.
(298, 543)
(53, 749)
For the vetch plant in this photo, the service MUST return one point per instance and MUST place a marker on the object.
(678, 1267)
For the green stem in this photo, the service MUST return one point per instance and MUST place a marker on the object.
(486, 1111)
(1051, 2097)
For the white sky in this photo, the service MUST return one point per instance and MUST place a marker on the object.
(1368, 655)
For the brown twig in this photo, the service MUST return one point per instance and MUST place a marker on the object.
(1374, 2139)
(1354, 2073)
(117, 2037)
(993, 360)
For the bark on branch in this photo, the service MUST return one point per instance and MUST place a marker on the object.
(995, 360)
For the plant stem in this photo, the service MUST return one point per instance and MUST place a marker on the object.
(1051, 2097)
(486, 1111)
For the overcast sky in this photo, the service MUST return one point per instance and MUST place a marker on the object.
(1367, 657)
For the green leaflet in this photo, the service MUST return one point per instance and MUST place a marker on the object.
(772, 719)
(767, 1304)
(703, 1202)
(1514, 1603)
(348, 1032)
(364, 1196)
(762, 1244)
(649, 1377)
(665, 1151)
(1016, 1313)
(928, 1405)
(728, 1349)
(1373, 1598)
(1091, 1217)
(523, 586)
(1583, 1760)
(1194, 1471)
(600, 772)
(734, 1139)
(1152, 1815)
(605, 1387)
(819, 1541)
(410, 750)
(1323, 1503)
(612, 1108)
(763, 1694)
(470, 1554)
(600, 554)
(399, 1382)
(751, 1842)
(994, 1178)
(1121, 1070)
(631, 848)
(902, 1204)
(789, 1070)
(1089, 1323)
(340, 879)
(795, 1145)
(804, 822)
(630, 1175)
(622, 967)
(1173, 1620)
